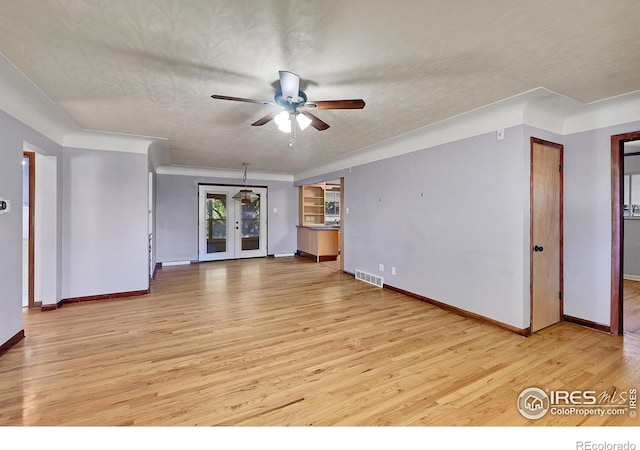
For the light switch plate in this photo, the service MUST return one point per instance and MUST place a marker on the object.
(5, 205)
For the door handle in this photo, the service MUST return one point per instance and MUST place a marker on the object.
(537, 248)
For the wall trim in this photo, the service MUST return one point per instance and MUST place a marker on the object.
(588, 323)
(51, 306)
(212, 172)
(462, 312)
(175, 263)
(115, 295)
(631, 277)
(109, 141)
(316, 258)
(92, 298)
(11, 342)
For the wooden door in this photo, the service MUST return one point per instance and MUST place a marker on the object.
(546, 234)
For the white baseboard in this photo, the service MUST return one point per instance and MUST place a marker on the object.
(281, 255)
(631, 277)
(175, 263)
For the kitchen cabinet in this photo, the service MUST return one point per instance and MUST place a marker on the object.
(319, 243)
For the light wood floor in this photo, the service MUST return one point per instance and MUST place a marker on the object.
(284, 341)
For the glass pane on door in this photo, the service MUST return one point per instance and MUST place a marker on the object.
(250, 226)
(216, 222)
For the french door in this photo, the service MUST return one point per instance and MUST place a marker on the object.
(229, 229)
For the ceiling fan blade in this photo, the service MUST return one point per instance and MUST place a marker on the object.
(266, 119)
(289, 85)
(336, 104)
(239, 99)
(315, 121)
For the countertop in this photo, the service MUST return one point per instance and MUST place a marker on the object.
(320, 227)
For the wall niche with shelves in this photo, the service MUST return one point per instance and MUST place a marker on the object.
(312, 205)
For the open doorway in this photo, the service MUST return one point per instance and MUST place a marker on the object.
(40, 229)
(28, 244)
(321, 222)
(625, 233)
(334, 193)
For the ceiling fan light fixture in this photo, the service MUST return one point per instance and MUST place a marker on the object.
(303, 121)
(294, 102)
(283, 121)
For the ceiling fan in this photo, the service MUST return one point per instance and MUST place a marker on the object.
(295, 106)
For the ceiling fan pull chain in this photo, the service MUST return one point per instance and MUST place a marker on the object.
(292, 135)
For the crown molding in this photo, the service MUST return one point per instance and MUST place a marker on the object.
(213, 172)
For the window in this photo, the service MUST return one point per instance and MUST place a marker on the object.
(332, 205)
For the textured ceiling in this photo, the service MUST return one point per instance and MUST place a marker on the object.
(148, 67)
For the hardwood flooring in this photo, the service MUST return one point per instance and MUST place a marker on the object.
(631, 308)
(285, 341)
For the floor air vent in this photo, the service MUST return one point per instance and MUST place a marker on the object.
(369, 278)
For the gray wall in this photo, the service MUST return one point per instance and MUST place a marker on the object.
(106, 222)
(450, 219)
(460, 238)
(177, 215)
(587, 219)
(631, 253)
(13, 136)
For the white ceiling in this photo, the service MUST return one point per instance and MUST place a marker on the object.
(148, 67)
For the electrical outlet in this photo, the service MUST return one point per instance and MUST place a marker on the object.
(500, 134)
(381, 267)
(393, 270)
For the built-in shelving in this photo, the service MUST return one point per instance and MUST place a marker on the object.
(312, 205)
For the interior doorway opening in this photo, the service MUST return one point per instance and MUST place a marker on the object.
(28, 244)
(321, 212)
(625, 211)
(40, 209)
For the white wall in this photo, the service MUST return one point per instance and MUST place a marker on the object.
(106, 222)
(10, 230)
(46, 231)
(14, 135)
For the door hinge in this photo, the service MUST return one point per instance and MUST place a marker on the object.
(560, 295)
(560, 168)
